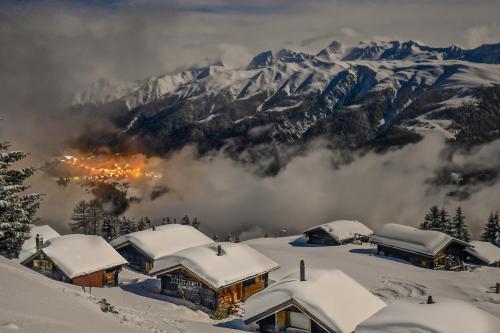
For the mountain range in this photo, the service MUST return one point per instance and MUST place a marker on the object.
(349, 95)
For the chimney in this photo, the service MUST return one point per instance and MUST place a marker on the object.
(154, 228)
(430, 300)
(219, 250)
(302, 271)
(38, 242)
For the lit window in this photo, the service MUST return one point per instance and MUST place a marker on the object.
(36, 263)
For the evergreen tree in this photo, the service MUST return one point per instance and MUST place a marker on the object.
(125, 226)
(147, 222)
(96, 215)
(237, 239)
(185, 220)
(195, 223)
(229, 237)
(109, 228)
(17, 208)
(80, 218)
(460, 229)
(445, 223)
(141, 225)
(491, 231)
(431, 219)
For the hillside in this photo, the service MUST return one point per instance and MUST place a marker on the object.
(349, 95)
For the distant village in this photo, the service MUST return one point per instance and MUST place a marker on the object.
(229, 278)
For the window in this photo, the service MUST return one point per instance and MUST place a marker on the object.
(36, 263)
(299, 320)
(149, 266)
(47, 265)
(109, 279)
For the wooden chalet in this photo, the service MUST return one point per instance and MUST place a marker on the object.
(44, 232)
(83, 260)
(483, 253)
(142, 248)
(316, 301)
(424, 248)
(216, 276)
(338, 233)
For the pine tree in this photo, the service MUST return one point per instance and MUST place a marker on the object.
(185, 220)
(109, 228)
(195, 223)
(96, 215)
(445, 225)
(431, 219)
(125, 226)
(147, 222)
(460, 229)
(491, 231)
(17, 208)
(229, 237)
(80, 218)
(141, 225)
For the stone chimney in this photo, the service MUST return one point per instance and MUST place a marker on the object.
(219, 250)
(430, 300)
(38, 242)
(154, 228)
(302, 271)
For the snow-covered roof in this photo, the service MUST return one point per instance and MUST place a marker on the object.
(445, 316)
(164, 240)
(29, 246)
(485, 251)
(332, 297)
(77, 255)
(343, 229)
(237, 262)
(427, 242)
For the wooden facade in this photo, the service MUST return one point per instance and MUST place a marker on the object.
(449, 258)
(320, 237)
(42, 264)
(290, 317)
(137, 260)
(181, 283)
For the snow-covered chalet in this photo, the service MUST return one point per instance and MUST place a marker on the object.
(216, 276)
(142, 248)
(83, 260)
(337, 233)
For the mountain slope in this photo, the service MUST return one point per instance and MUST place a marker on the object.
(349, 95)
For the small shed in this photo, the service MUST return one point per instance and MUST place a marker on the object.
(444, 316)
(83, 260)
(424, 248)
(45, 232)
(338, 233)
(142, 248)
(483, 253)
(320, 301)
(216, 276)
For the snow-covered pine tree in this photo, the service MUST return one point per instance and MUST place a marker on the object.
(444, 224)
(17, 208)
(147, 222)
(431, 219)
(109, 228)
(460, 229)
(491, 231)
(125, 226)
(141, 225)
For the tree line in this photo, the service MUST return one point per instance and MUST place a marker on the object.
(457, 227)
(90, 218)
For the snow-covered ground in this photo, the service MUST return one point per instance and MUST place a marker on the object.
(388, 278)
(30, 302)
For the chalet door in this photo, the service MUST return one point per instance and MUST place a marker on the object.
(300, 321)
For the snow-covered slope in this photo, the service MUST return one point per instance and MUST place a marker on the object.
(388, 278)
(445, 316)
(296, 93)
